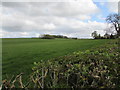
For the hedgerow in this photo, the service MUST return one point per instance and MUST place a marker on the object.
(95, 68)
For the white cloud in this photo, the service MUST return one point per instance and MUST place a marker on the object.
(113, 7)
(101, 17)
(105, 0)
(24, 33)
(50, 26)
(67, 18)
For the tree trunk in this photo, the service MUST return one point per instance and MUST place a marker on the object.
(118, 31)
(117, 28)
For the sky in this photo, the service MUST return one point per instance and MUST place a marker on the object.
(73, 18)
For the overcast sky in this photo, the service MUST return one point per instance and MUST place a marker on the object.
(77, 18)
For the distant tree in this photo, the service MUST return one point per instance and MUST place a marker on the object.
(99, 36)
(94, 34)
(74, 38)
(114, 20)
(47, 36)
(110, 30)
(107, 36)
(112, 36)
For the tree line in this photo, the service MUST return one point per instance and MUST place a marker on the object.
(48, 36)
(95, 35)
(113, 31)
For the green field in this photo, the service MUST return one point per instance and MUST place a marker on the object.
(19, 54)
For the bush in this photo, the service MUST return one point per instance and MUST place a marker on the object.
(96, 68)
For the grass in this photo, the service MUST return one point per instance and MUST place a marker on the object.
(19, 54)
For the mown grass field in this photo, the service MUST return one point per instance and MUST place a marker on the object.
(18, 55)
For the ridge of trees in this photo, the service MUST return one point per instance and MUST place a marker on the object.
(95, 35)
(48, 36)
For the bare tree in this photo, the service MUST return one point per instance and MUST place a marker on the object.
(114, 20)
(110, 30)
